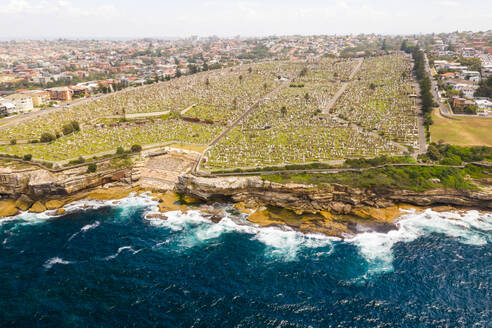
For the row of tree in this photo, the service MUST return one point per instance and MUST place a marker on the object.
(423, 80)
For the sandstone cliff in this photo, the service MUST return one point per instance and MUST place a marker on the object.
(334, 198)
(41, 184)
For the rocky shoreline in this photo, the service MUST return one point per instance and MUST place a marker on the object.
(333, 210)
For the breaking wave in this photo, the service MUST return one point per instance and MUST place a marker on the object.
(471, 227)
(121, 249)
(85, 229)
(195, 229)
(55, 260)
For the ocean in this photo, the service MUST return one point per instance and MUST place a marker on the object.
(106, 265)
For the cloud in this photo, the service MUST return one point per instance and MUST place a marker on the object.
(449, 3)
(57, 7)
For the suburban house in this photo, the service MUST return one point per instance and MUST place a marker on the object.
(483, 104)
(461, 103)
(467, 89)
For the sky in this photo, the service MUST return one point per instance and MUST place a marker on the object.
(40, 19)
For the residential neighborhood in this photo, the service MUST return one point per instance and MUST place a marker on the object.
(462, 63)
(36, 74)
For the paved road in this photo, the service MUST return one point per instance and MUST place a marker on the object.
(422, 137)
(444, 109)
(14, 120)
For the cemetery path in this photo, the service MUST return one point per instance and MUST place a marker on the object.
(187, 109)
(237, 121)
(343, 88)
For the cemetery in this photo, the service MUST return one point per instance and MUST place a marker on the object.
(288, 121)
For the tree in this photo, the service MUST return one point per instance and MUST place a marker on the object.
(193, 69)
(404, 46)
(303, 72)
(91, 168)
(306, 96)
(13, 141)
(67, 129)
(265, 86)
(136, 148)
(207, 82)
(250, 70)
(178, 72)
(120, 150)
(27, 157)
(485, 88)
(433, 153)
(240, 78)
(47, 137)
(283, 110)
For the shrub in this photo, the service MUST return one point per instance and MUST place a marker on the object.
(27, 157)
(75, 125)
(120, 150)
(136, 148)
(47, 137)
(67, 129)
(34, 141)
(13, 141)
(91, 168)
(80, 160)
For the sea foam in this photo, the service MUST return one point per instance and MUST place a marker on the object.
(193, 228)
(121, 249)
(471, 227)
(55, 260)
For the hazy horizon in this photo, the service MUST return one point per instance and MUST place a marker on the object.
(52, 19)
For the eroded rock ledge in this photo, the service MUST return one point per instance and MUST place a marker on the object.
(335, 198)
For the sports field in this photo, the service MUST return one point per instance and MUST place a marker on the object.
(463, 131)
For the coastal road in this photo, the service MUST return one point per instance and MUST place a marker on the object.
(420, 118)
(434, 89)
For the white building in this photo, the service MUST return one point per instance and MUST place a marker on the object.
(483, 104)
(23, 103)
(6, 107)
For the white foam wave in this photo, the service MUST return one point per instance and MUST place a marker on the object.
(121, 249)
(26, 218)
(55, 260)
(195, 229)
(127, 204)
(471, 227)
(85, 229)
(90, 226)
